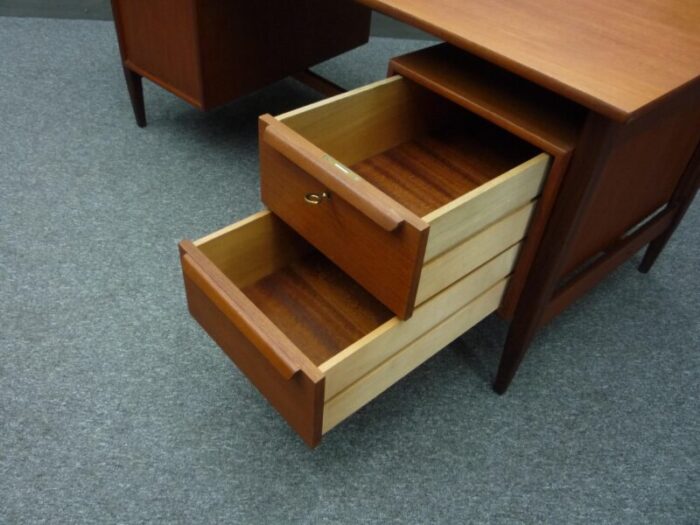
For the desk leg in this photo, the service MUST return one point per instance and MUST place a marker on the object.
(135, 86)
(681, 201)
(579, 184)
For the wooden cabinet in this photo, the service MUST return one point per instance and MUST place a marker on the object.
(209, 52)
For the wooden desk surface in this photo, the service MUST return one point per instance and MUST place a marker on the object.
(616, 57)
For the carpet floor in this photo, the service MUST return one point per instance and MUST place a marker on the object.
(115, 407)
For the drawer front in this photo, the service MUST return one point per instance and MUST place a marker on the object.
(413, 191)
(374, 239)
(271, 362)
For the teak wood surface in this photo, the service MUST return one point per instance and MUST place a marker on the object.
(616, 57)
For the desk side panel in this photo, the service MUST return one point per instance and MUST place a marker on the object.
(159, 41)
(639, 176)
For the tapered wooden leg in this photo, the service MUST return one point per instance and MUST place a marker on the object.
(681, 200)
(578, 186)
(135, 86)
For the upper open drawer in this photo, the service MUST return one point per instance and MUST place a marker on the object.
(386, 178)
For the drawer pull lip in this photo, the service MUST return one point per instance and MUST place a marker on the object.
(339, 179)
(282, 362)
(316, 198)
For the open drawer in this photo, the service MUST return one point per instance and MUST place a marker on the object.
(392, 182)
(314, 342)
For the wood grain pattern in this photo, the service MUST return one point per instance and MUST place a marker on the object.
(282, 372)
(530, 112)
(337, 178)
(540, 217)
(476, 210)
(369, 120)
(317, 306)
(253, 248)
(417, 352)
(303, 325)
(385, 341)
(618, 254)
(598, 139)
(269, 341)
(616, 58)
(159, 41)
(430, 171)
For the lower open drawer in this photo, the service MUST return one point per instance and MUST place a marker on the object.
(316, 344)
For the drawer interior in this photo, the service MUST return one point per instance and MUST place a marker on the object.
(432, 170)
(315, 304)
(420, 149)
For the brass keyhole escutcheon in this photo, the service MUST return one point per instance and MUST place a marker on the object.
(316, 198)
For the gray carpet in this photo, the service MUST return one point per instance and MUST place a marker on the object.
(115, 407)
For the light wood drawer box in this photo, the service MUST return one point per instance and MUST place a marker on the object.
(314, 342)
(387, 179)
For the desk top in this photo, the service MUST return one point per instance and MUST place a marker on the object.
(616, 57)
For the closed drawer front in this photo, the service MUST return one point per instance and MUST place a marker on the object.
(315, 343)
(404, 190)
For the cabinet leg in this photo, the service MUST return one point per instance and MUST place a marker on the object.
(135, 86)
(514, 351)
(682, 199)
(588, 163)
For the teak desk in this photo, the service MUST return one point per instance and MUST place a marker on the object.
(511, 169)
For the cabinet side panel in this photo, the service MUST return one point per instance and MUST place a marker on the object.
(640, 175)
(159, 41)
(246, 45)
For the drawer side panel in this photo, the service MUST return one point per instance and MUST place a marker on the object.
(463, 217)
(447, 268)
(388, 373)
(381, 344)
